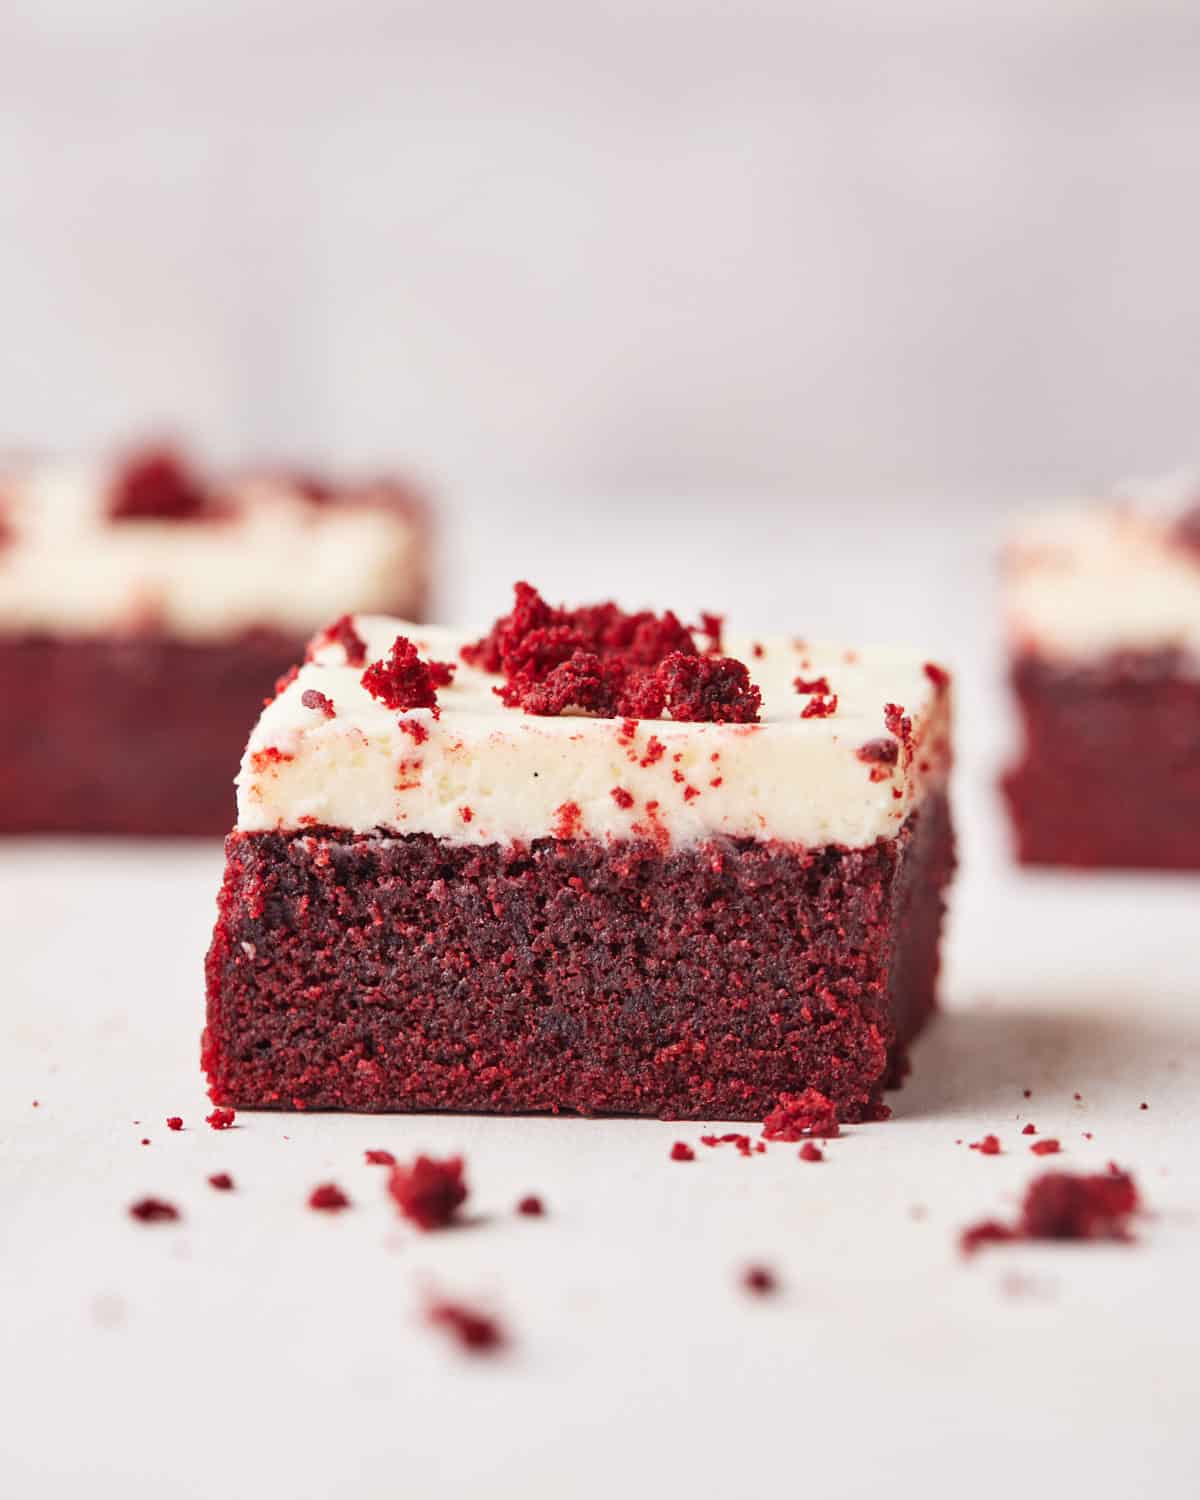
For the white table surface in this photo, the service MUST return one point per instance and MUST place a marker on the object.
(260, 1349)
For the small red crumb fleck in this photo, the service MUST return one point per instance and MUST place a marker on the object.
(820, 708)
(879, 752)
(986, 1232)
(759, 1280)
(531, 1205)
(466, 814)
(937, 675)
(156, 484)
(1028, 1093)
(1143, 1106)
(379, 1158)
(342, 633)
(329, 1198)
(1048, 1147)
(272, 755)
(621, 797)
(756, 651)
(689, 792)
(681, 1151)
(717, 781)
(475, 1331)
(712, 626)
(655, 750)
(896, 722)
(401, 680)
(221, 1119)
(281, 683)
(798, 1115)
(221, 1181)
(145, 1140)
(36, 1103)
(153, 1211)
(1030, 1129)
(1077, 1096)
(174, 1122)
(415, 730)
(567, 820)
(310, 698)
(988, 1146)
(812, 685)
(429, 1192)
(810, 1151)
(1088, 1136)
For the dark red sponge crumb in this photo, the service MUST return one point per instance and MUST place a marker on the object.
(429, 1192)
(798, 1115)
(342, 633)
(221, 1119)
(1048, 1147)
(1066, 1206)
(174, 1122)
(221, 1181)
(475, 1331)
(157, 485)
(988, 1146)
(401, 680)
(531, 1205)
(153, 1211)
(328, 1197)
(681, 1151)
(759, 1280)
(379, 1158)
(811, 1152)
(310, 698)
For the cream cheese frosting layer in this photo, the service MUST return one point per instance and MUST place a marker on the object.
(277, 561)
(483, 773)
(1082, 584)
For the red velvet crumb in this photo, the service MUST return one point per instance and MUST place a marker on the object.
(1048, 1147)
(401, 680)
(988, 1146)
(475, 1331)
(310, 698)
(221, 1181)
(429, 1192)
(329, 1198)
(711, 690)
(342, 633)
(379, 1158)
(1067, 1206)
(713, 627)
(153, 1211)
(681, 1151)
(810, 1151)
(621, 797)
(1030, 1129)
(798, 1115)
(759, 1280)
(156, 484)
(879, 752)
(812, 685)
(986, 1232)
(820, 708)
(532, 1206)
(221, 1119)
(284, 682)
(174, 1122)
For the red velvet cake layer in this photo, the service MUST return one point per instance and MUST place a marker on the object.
(404, 973)
(1110, 771)
(135, 735)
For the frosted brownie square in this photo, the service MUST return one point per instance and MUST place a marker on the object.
(591, 862)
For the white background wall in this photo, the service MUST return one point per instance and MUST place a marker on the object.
(860, 248)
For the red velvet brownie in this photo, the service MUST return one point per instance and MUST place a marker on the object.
(1104, 631)
(588, 863)
(146, 611)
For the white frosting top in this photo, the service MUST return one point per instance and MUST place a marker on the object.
(278, 560)
(1081, 584)
(483, 773)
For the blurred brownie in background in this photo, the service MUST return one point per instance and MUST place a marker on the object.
(1103, 613)
(146, 611)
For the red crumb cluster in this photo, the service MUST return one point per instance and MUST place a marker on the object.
(475, 1331)
(156, 485)
(798, 1115)
(342, 633)
(532, 1206)
(604, 661)
(1066, 1206)
(379, 1158)
(681, 1151)
(221, 1181)
(310, 698)
(820, 708)
(174, 1122)
(221, 1119)
(744, 1144)
(153, 1211)
(760, 1280)
(328, 1198)
(401, 680)
(812, 685)
(429, 1192)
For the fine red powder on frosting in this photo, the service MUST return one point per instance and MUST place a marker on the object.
(429, 1192)
(798, 1115)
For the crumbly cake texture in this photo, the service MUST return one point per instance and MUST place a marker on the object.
(446, 906)
(1104, 631)
(146, 611)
